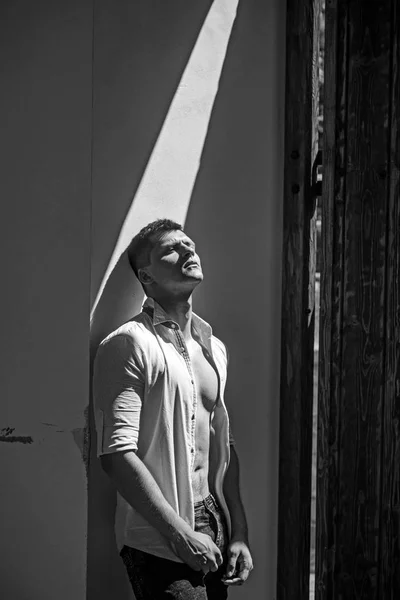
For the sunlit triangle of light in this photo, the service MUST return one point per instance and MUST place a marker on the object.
(167, 183)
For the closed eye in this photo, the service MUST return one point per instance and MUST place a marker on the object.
(170, 249)
(175, 247)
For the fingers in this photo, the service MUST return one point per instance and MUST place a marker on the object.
(231, 564)
(219, 558)
(232, 581)
(244, 572)
(216, 561)
(211, 561)
(214, 566)
(238, 566)
(239, 579)
(199, 552)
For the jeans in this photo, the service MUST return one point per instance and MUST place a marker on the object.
(154, 578)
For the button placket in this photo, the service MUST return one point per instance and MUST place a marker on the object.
(188, 363)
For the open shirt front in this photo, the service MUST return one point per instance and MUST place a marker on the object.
(145, 401)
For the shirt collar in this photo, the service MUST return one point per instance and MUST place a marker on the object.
(201, 327)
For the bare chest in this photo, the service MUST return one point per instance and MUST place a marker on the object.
(205, 377)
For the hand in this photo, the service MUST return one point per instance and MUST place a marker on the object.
(239, 563)
(198, 551)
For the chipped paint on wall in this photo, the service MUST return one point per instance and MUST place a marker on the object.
(6, 435)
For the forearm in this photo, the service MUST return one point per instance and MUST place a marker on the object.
(233, 499)
(139, 488)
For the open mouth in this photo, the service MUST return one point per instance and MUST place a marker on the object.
(190, 264)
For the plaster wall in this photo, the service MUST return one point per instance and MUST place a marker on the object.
(193, 130)
(187, 123)
(45, 113)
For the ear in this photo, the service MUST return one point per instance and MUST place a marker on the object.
(145, 277)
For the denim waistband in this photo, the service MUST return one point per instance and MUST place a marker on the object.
(208, 501)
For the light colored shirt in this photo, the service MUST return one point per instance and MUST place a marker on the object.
(145, 400)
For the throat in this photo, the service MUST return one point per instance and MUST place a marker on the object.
(180, 311)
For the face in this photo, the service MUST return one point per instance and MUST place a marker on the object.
(174, 264)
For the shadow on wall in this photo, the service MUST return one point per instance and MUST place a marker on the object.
(140, 52)
(121, 299)
(131, 40)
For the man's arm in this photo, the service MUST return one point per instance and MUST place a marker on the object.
(233, 499)
(139, 488)
(240, 562)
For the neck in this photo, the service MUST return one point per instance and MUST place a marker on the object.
(180, 311)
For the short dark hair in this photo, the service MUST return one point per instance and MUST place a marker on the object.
(142, 244)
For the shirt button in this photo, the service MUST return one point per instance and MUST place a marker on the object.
(192, 450)
(193, 416)
(192, 382)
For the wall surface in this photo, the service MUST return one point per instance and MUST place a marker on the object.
(45, 108)
(188, 124)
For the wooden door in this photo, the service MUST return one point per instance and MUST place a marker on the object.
(299, 260)
(358, 496)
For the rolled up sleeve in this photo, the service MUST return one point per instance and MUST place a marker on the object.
(118, 384)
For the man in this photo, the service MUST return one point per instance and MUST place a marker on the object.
(163, 432)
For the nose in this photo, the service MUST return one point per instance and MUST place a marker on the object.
(187, 250)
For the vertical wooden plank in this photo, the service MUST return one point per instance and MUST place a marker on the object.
(353, 313)
(298, 301)
(334, 147)
(362, 359)
(389, 567)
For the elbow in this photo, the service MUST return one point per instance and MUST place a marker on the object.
(115, 461)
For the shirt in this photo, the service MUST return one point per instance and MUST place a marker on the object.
(145, 401)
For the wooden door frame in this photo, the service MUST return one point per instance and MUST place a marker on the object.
(358, 487)
(298, 262)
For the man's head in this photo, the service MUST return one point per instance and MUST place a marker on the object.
(163, 258)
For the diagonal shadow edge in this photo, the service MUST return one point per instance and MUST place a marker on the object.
(152, 143)
(121, 268)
